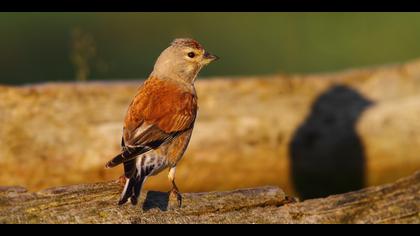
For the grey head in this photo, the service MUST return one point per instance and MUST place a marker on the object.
(182, 60)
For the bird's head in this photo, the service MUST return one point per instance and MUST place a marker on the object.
(183, 59)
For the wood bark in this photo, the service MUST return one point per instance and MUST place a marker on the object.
(398, 202)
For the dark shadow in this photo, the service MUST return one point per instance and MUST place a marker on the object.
(156, 199)
(327, 156)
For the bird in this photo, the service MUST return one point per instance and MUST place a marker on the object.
(160, 118)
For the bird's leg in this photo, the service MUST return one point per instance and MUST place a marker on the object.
(174, 190)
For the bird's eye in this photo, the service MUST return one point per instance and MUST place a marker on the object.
(191, 54)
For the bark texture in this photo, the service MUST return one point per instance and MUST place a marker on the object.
(397, 202)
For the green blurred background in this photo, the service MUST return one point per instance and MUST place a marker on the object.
(39, 47)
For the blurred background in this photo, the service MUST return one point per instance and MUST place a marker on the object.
(39, 47)
(316, 103)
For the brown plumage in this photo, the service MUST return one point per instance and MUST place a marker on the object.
(162, 103)
(160, 119)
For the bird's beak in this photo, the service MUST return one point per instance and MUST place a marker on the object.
(208, 57)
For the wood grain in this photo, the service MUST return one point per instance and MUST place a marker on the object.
(397, 202)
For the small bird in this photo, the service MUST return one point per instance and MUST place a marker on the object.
(160, 119)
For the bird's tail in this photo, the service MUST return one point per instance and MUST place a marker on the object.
(136, 171)
(128, 154)
(132, 188)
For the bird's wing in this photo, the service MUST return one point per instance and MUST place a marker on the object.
(161, 110)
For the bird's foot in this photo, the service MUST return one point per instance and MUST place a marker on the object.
(174, 193)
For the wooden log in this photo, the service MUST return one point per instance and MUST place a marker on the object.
(294, 131)
(398, 202)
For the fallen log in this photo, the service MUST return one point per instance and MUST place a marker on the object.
(359, 125)
(398, 202)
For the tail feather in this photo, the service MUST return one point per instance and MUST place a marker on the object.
(134, 183)
(138, 184)
(127, 192)
(127, 155)
(136, 172)
(131, 152)
(132, 190)
(130, 168)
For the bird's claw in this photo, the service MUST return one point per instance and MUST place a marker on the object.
(178, 196)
